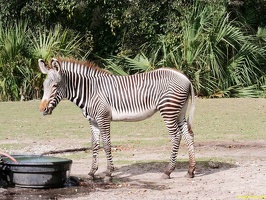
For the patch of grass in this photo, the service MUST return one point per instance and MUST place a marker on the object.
(23, 120)
(9, 146)
(152, 128)
(215, 120)
(144, 142)
(130, 160)
(75, 156)
(230, 119)
(229, 160)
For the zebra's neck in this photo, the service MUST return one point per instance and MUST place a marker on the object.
(79, 79)
(86, 69)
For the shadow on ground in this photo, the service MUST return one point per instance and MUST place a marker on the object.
(132, 173)
(203, 168)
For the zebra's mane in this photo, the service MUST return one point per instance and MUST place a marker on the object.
(89, 64)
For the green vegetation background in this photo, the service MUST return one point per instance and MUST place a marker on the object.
(219, 45)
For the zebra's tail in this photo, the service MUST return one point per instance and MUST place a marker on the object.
(192, 108)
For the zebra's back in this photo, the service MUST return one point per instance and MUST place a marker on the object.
(137, 97)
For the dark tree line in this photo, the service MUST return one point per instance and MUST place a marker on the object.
(208, 40)
(116, 26)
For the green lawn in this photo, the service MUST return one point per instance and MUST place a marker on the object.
(21, 124)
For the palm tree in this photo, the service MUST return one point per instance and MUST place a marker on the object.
(20, 48)
(13, 47)
(212, 50)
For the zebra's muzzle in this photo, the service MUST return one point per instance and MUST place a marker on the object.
(47, 111)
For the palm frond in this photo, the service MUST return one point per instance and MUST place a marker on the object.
(114, 68)
(140, 63)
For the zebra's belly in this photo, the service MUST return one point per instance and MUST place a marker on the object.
(132, 116)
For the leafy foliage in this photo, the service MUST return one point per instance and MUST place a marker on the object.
(214, 51)
(55, 42)
(13, 47)
(19, 50)
(219, 45)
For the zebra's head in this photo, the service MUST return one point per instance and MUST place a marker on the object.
(52, 86)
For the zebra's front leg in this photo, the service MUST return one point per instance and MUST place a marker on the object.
(104, 125)
(95, 140)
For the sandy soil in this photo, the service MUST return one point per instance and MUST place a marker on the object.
(225, 170)
(240, 173)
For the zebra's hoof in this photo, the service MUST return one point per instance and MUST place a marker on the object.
(107, 179)
(165, 176)
(189, 175)
(90, 177)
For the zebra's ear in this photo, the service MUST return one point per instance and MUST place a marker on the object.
(42, 66)
(55, 65)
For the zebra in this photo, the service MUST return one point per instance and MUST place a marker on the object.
(103, 97)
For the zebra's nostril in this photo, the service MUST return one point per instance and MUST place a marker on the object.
(47, 111)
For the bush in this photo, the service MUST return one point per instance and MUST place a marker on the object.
(20, 49)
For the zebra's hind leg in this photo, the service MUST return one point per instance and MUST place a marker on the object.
(175, 139)
(95, 140)
(107, 148)
(105, 131)
(189, 138)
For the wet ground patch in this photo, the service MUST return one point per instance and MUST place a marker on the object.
(80, 188)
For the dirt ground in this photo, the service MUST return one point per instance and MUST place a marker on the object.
(225, 170)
